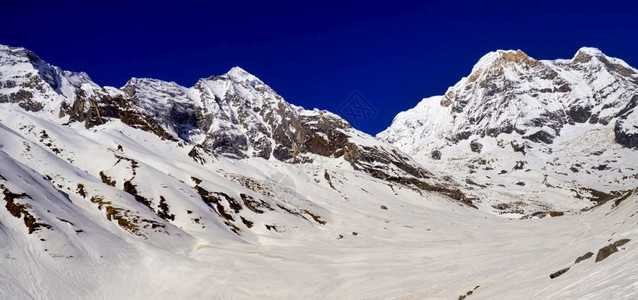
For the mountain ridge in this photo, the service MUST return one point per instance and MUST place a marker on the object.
(234, 115)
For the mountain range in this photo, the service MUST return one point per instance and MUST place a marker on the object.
(224, 189)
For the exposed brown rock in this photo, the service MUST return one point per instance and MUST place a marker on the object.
(558, 273)
(605, 252)
(19, 210)
(584, 257)
(622, 242)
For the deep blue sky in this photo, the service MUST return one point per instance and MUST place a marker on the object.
(315, 54)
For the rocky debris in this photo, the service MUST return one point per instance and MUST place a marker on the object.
(579, 114)
(475, 146)
(540, 136)
(20, 210)
(80, 190)
(248, 223)
(605, 252)
(256, 206)
(107, 179)
(130, 188)
(621, 242)
(511, 207)
(436, 154)
(558, 273)
(273, 227)
(196, 155)
(610, 249)
(468, 293)
(601, 198)
(314, 217)
(584, 257)
(518, 147)
(624, 136)
(126, 219)
(326, 176)
(164, 211)
(213, 200)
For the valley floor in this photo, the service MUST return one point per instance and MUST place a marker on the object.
(414, 252)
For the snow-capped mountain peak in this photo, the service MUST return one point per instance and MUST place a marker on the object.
(591, 51)
(26, 75)
(497, 57)
(512, 105)
(241, 75)
(585, 54)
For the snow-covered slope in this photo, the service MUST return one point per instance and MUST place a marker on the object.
(225, 190)
(527, 135)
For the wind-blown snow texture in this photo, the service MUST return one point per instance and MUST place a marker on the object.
(226, 190)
